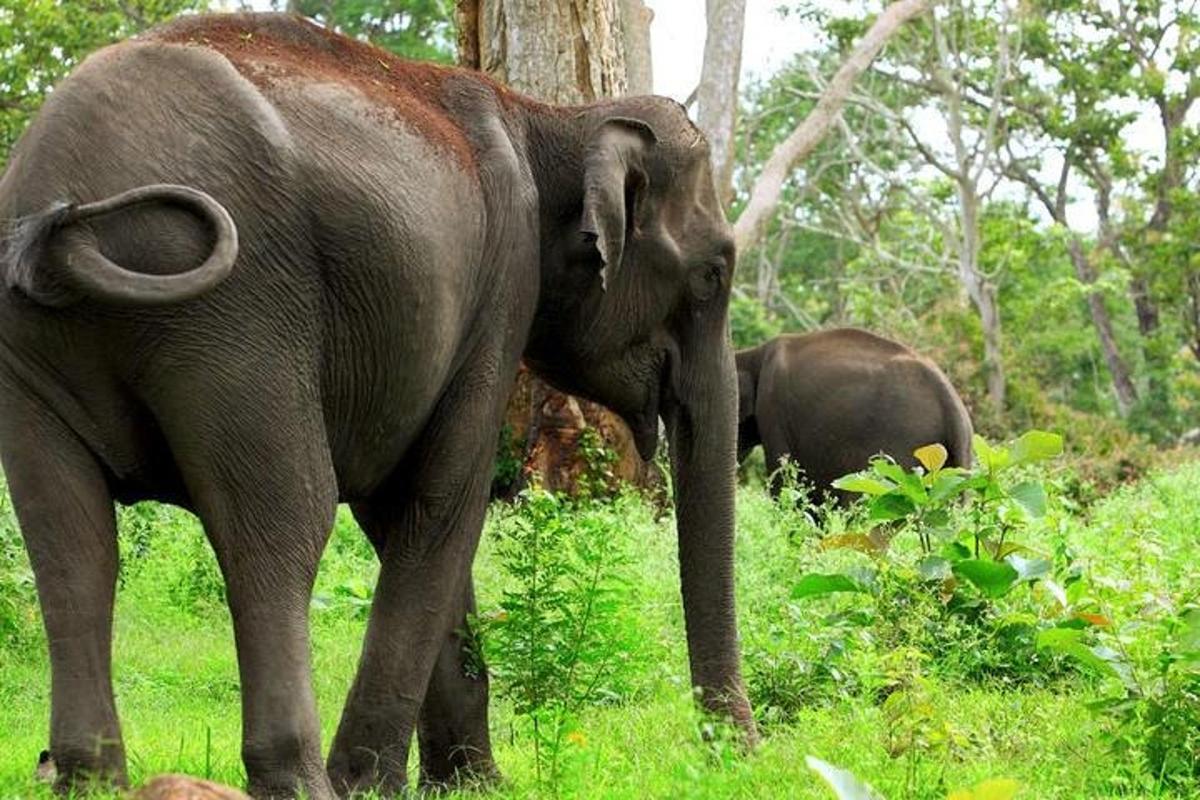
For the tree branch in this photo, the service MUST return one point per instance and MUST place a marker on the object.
(765, 195)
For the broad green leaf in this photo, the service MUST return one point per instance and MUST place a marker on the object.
(933, 568)
(1069, 641)
(863, 483)
(891, 506)
(816, 584)
(843, 783)
(1031, 496)
(1035, 445)
(956, 551)
(990, 458)
(993, 578)
(932, 456)
(948, 483)
(888, 469)
(1029, 569)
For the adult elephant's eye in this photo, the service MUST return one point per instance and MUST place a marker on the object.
(706, 280)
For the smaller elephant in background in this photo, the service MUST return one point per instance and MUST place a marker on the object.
(832, 400)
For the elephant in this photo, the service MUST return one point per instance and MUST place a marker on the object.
(833, 399)
(254, 268)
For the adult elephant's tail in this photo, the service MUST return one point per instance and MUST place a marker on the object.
(86, 271)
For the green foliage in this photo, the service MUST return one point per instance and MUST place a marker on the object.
(420, 29)
(917, 696)
(561, 638)
(20, 622)
(42, 40)
(510, 453)
(751, 322)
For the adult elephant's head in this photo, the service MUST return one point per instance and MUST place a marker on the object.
(636, 264)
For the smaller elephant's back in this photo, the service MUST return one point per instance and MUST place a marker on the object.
(851, 395)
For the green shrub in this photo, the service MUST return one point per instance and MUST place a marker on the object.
(564, 635)
(20, 623)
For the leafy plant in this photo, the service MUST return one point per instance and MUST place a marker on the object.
(921, 500)
(561, 638)
(19, 621)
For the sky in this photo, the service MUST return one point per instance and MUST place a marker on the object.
(677, 42)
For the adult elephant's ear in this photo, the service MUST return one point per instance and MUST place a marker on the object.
(613, 180)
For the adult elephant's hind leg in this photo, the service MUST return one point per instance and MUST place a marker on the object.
(432, 519)
(452, 731)
(260, 475)
(66, 515)
(452, 734)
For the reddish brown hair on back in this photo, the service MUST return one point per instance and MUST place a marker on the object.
(268, 47)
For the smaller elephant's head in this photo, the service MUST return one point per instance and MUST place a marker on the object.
(637, 262)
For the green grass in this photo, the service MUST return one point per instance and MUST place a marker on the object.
(177, 684)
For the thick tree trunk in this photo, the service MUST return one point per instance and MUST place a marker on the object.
(559, 51)
(717, 95)
(564, 52)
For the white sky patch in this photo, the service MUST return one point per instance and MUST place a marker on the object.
(677, 42)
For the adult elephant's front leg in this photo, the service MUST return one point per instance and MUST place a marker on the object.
(429, 529)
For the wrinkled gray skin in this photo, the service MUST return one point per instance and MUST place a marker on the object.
(832, 400)
(360, 348)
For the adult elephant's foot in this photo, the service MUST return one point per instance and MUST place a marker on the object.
(282, 770)
(458, 769)
(370, 750)
(77, 770)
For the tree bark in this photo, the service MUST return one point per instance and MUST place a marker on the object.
(764, 197)
(717, 95)
(560, 51)
(565, 52)
(635, 21)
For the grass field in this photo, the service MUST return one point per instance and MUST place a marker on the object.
(978, 701)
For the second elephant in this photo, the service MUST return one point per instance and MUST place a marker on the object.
(831, 400)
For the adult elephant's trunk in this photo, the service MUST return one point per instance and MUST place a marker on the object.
(701, 426)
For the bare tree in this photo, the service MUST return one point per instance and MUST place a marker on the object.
(717, 94)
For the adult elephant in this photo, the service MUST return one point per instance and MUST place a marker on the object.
(256, 268)
(832, 400)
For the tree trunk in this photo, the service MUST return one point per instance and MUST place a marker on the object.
(764, 196)
(717, 95)
(635, 20)
(1123, 387)
(982, 294)
(560, 51)
(564, 52)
